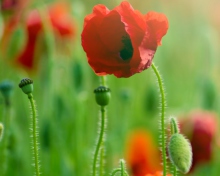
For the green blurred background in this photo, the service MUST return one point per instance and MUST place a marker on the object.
(63, 89)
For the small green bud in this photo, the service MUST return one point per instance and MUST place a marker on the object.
(1, 131)
(26, 85)
(102, 95)
(6, 88)
(180, 152)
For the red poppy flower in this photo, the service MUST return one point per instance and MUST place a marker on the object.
(143, 156)
(61, 22)
(200, 127)
(122, 41)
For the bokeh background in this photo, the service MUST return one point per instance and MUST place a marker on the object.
(188, 60)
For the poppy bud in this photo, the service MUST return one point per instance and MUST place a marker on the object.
(26, 85)
(102, 95)
(6, 88)
(1, 131)
(180, 152)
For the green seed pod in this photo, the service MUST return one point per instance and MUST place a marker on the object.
(102, 95)
(26, 85)
(180, 152)
(6, 88)
(1, 131)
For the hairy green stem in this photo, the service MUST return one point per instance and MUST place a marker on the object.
(100, 140)
(122, 167)
(173, 126)
(115, 171)
(34, 135)
(174, 129)
(101, 160)
(162, 120)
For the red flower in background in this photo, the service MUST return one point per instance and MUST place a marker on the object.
(143, 156)
(200, 127)
(61, 22)
(12, 5)
(158, 173)
(11, 10)
(122, 41)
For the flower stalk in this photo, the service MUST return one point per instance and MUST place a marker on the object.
(100, 141)
(162, 119)
(34, 135)
(102, 96)
(27, 87)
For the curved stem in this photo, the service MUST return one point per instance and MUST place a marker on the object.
(162, 120)
(101, 159)
(173, 126)
(115, 171)
(100, 140)
(34, 135)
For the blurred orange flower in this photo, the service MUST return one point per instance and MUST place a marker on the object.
(61, 22)
(143, 156)
(200, 127)
(158, 173)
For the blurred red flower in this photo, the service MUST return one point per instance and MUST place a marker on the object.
(62, 24)
(200, 127)
(142, 155)
(122, 41)
(11, 11)
(12, 5)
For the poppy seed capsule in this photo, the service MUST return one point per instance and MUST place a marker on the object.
(102, 95)
(26, 85)
(180, 152)
(6, 88)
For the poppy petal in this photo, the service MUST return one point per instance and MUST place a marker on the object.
(157, 25)
(98, 10)
(112, 26)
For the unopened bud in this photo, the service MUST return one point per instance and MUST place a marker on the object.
(180, 152)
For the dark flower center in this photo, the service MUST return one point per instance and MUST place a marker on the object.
(127, 51)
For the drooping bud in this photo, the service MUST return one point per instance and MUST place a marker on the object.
(102, 95)
(26, 85)
(180, 152)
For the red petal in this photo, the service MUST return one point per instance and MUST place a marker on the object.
(98, 10)
(135, 26)
(100, 59)
(134, 21)
(157, 25)
(111, 32)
